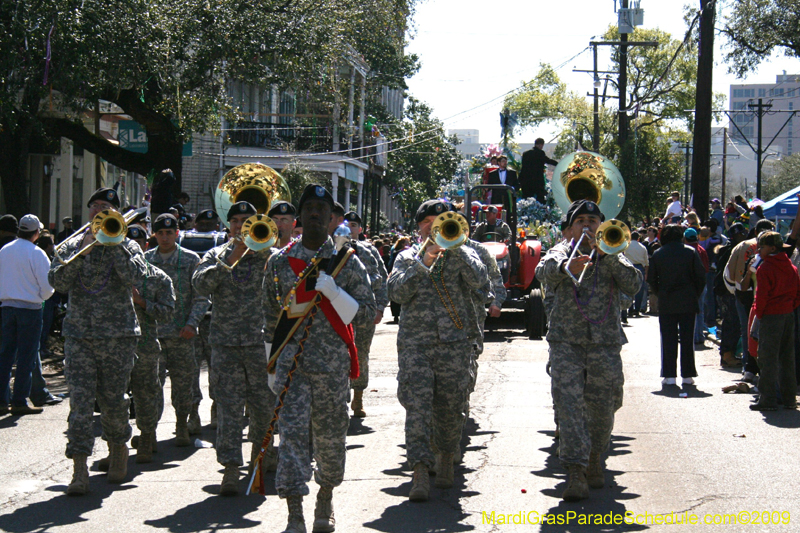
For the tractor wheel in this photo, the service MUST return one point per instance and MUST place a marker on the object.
(535, 317)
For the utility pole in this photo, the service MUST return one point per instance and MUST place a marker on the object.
(623, 84)
(724, 160)
(596, 129)
(686, 179)
(505, 129)
(703, 107)
(761, 108)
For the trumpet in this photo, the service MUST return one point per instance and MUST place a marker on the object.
(259, 232)
(449, 231)
(612, 237)
(108, 227)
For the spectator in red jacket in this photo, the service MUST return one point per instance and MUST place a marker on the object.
(777, 296)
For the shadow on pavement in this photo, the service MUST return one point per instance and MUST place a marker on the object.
(358, 427)
(62, 510)
(443, 511)
(782, 418)
(215, 513)
(601, 501)
(675, 391)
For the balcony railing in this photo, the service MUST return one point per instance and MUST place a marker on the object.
(303, 137)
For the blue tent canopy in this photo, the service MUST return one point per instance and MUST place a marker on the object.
(784, 206)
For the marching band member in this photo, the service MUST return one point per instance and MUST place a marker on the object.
(201, 238)
(378, 276)
(238, 361)
(432, 347)
(154, 301)
(283, 214)
(100, 332)
(585, 345)
(176, 335)
(312, 296)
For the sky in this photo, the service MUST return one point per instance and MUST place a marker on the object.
(472, 52)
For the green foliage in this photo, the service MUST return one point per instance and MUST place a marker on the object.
(298, 174)
(650, 171)
(422, 159)
(786, 178)
(757, 28)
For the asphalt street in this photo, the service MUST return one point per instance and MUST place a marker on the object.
(705, 455)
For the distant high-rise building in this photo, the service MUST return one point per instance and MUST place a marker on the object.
(784, 95)
(466, 136)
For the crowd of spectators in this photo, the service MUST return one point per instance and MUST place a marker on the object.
(730, 279)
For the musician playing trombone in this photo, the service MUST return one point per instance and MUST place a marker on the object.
(585, 344)
(101, 332)
(238, 362)
(434, 287)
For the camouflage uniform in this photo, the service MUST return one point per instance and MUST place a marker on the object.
(433, 352)
(100, 329)
(190, 308)
(238, 357)
(202, 352)
(585, 345)
(317, 397)
(145, 383)
(365, 331)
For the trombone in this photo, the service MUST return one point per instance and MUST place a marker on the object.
(613, 237)
(259, 232)
(449, 231)
(108, 227)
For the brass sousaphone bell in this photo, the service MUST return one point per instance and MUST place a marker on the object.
(261, 186)
(591, 176)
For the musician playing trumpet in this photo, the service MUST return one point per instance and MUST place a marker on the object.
(101, 331)
(585, 344)
(434, 287)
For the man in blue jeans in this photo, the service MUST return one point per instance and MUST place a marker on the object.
(23, 290)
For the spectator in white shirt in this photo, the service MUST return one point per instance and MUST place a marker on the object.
(675, 209)
(636, 252)
(23, 290)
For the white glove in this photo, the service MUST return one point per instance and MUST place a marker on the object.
(327, 286)
(270, 377)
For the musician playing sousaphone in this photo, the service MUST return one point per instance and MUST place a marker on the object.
(585, 343)
(100, 331)
(435, 288)
(313, 294)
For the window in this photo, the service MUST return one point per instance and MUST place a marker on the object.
(779, 91)
(762, 93)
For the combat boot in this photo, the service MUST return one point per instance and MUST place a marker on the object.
(296, 523)
(577, 488)
(182, 432)
(102, 464)
(213, 423)
(444, 474)
(194, 420)
(80, 476)
(144, 453)
(358, 404)
(230, 481)
(324, 522)
(420, 484)
(595, 476)
(118, 467)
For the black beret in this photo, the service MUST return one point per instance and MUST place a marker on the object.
(9, 223)
(583, 207)
(282, 208)
(432, 208)
(338, 209)
(106, 195)
(352, 216)
(315, 192)
(207, 214)
(135, 231)
(165, 221)
(241, 208)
